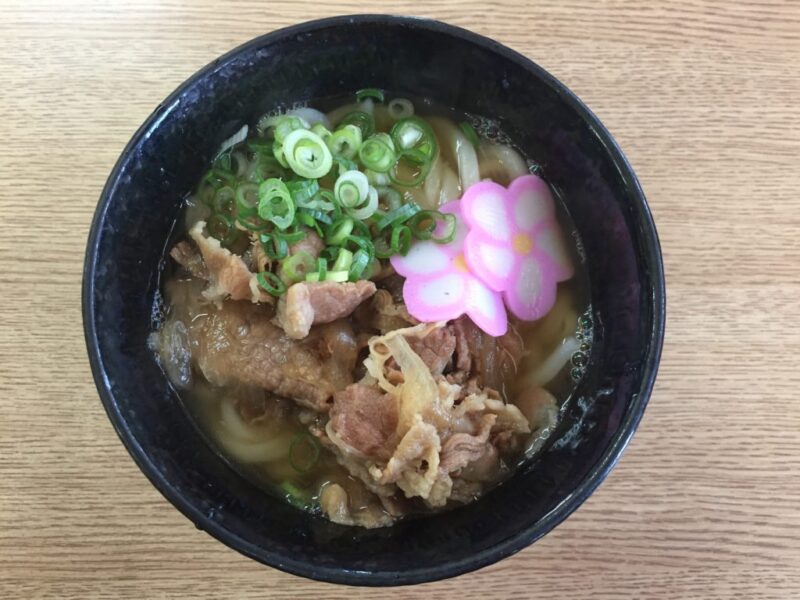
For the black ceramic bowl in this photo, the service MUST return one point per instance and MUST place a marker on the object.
(333, 57)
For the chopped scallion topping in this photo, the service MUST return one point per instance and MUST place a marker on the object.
(271, 283)
(339, 230)
(362, 120)
(374, 93)
(275, 203)
(345, 142)
(400, 108)
(398, 215)
(377, 153)
(296, 267)
(307, 154)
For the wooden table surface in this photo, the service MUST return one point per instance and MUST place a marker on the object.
(703, 97)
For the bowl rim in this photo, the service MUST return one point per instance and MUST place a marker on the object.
(512, 544)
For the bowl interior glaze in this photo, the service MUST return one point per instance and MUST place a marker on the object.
(329, 58)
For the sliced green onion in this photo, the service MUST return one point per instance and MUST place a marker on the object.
(423, 223)
(407, 172)
(275, 203)
(351, 188)
(382, 247)
(264, 166)
(345, 164)
(469, 133)
(407, 135)
(338, 276)
(313, 219)
(416, 146)
(347, 192)
(296, 267)
(219, 226)
(400, 108)
(369, 93)
(449, 233)
(287, 124)
(412, 133)
(271, 283)
(246, 199)
(330, 253)
(280, 126)
(360, 261)
(363, 243)
(366, 209)
(339, 230)
(294, 495)
(224, 201)
(277, 150)
(322, 131)
(275, 247)
(416, 156)
(397, 216)
(294, 236)
(324, 201)
(343, 260)
(362, 120)
(303, 190)
(401, 239)
(345, 142)
(220, 177)
(315, 216)
(361, 229)
(377, 153)
(304, 217)
(280, 247)
(322, 268)
(307, 154)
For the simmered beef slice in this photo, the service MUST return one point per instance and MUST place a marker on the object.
(492, 360)
(227, 273)
(237, 344)
(312, 245)
(435, 349)
(335, 503)
(382, 314)
(365, 418)
(461, 449)
(310, 303)
(189, 258)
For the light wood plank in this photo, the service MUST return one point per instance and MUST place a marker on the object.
(702, 96)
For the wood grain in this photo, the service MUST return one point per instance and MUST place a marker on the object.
(702, 96)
